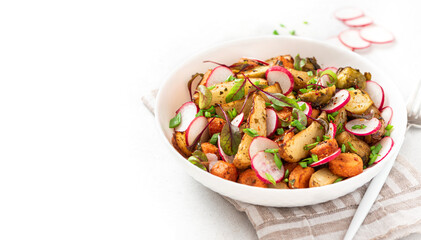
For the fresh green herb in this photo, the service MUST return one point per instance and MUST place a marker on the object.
(338, 180)
(312, 81)
(303, 107)
(351, 89)
(208, 114)
(314, 158)
(331, 116)
(251, 132)
(237, 92)
(200, 155)
(303, 164)
(276, 107)
(298, 125)
(286, 174)
(297, 60)
(230, 137)
(267, 104)
(343, 148)
(282, 25)
(352, 147)
(326, 137)
(362, 126)
(339, 129)
(257, 82)
(333, 77)
(230, 79)
(283, 102)
(214, 139)
(374, 153)
(310, 146)
(275, 32)
(232, 113)
(305, 22)
(205, 97)
(318, 139)
(300, 116)
(389, 128)
(277, 160)
(292, 183)
(305, 90)
(272, 150)
(310, 73)
(292, 32)
(211, 87)
(286, 179)
(200, 113)
(195, 161)
(270, 179)
(280, 131)
(175, 121)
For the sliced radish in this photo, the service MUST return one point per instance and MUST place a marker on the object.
(338, 101)
(387, 114)
(324, 80)
(223, 155)
(376, 34)
(333, 69)
(371, 126)
(352, 39)
(188, 112)
(387, 144)
(376, 93)
(263, 163)
(326, 159)
(359, 22)
(260, 144)
(309, 110)
(196, 128)
(218, 75)
(282, 76)
(332, 130)
(238, 120)
(212, 159)
(271, 121)
(348, 13)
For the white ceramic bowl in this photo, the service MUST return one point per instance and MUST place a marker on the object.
(173, 93)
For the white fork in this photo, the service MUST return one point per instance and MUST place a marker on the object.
(370, 196)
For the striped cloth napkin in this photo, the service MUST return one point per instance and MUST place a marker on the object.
(395, 214)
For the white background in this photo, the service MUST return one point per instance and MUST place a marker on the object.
(79, 153)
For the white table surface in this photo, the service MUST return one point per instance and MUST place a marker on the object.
(79, 154)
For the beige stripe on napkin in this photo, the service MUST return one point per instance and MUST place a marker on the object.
(395, 214)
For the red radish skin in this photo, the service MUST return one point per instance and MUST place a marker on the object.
(339, 100)
(326, 159)
(263, 163)
(282, 76)
(271, 121)
(188, 112)
(352, 39)
(218, 75)
(372, 126)
(309, 110)
(195, 128)
(212, 159)
(387, 114)
(359, 22)
(223, 155)
(260, 144)
(238, 120)
(348, 13)
(324, 80)
(332, 130)
(376, 93)
(387, 145)
(376, 34)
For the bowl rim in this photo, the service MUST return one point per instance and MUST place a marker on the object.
(392, 155)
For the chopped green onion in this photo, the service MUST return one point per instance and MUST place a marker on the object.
(230, 78)
(362, 126)
(298, 125)
(280, 131)
(351, 89)
(326, 137)
(251, 132)
(374, 153)
(310, 73)
(277, 160)
(272, 150)
(352, 147)
(232, 113)
(211, 87)
(208, 114)
(275, 32)
(257, 82)
(270, 179)
(267, 104)
(310, 146)
(200, 113)
(343, 148)
(286, 175)
(175, 121)
(303, 164)
(388, 130)
(318, 139)
(314, 158)
(282, 25)
(338, 180)
(304, 90)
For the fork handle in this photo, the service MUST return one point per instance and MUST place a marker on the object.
(367, 201)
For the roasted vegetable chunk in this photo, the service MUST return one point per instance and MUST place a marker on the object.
(325, 148)
(360, 147)
(346, 165)
(350, 77)
(216, 125)
(300, 177)
(225, 170)
(318, 97)
(322, 177)
(209, 148)
(359, 103)
(250, 178)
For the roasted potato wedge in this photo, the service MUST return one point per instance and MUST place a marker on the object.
(225, 170)
(377, 136)
(256, 121)
(275, 88)
(279, 185)
(257, 72)
(221, 90)
(346, 165)
(341, 118)
(359, 103)
(371, 112)
(300, 177)
(318, 97)
(363, 149)
(300, 78)
(322, 177)
(238, 104)
(179, 142)
(350, 77)
(293, 150)
(250, 178)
